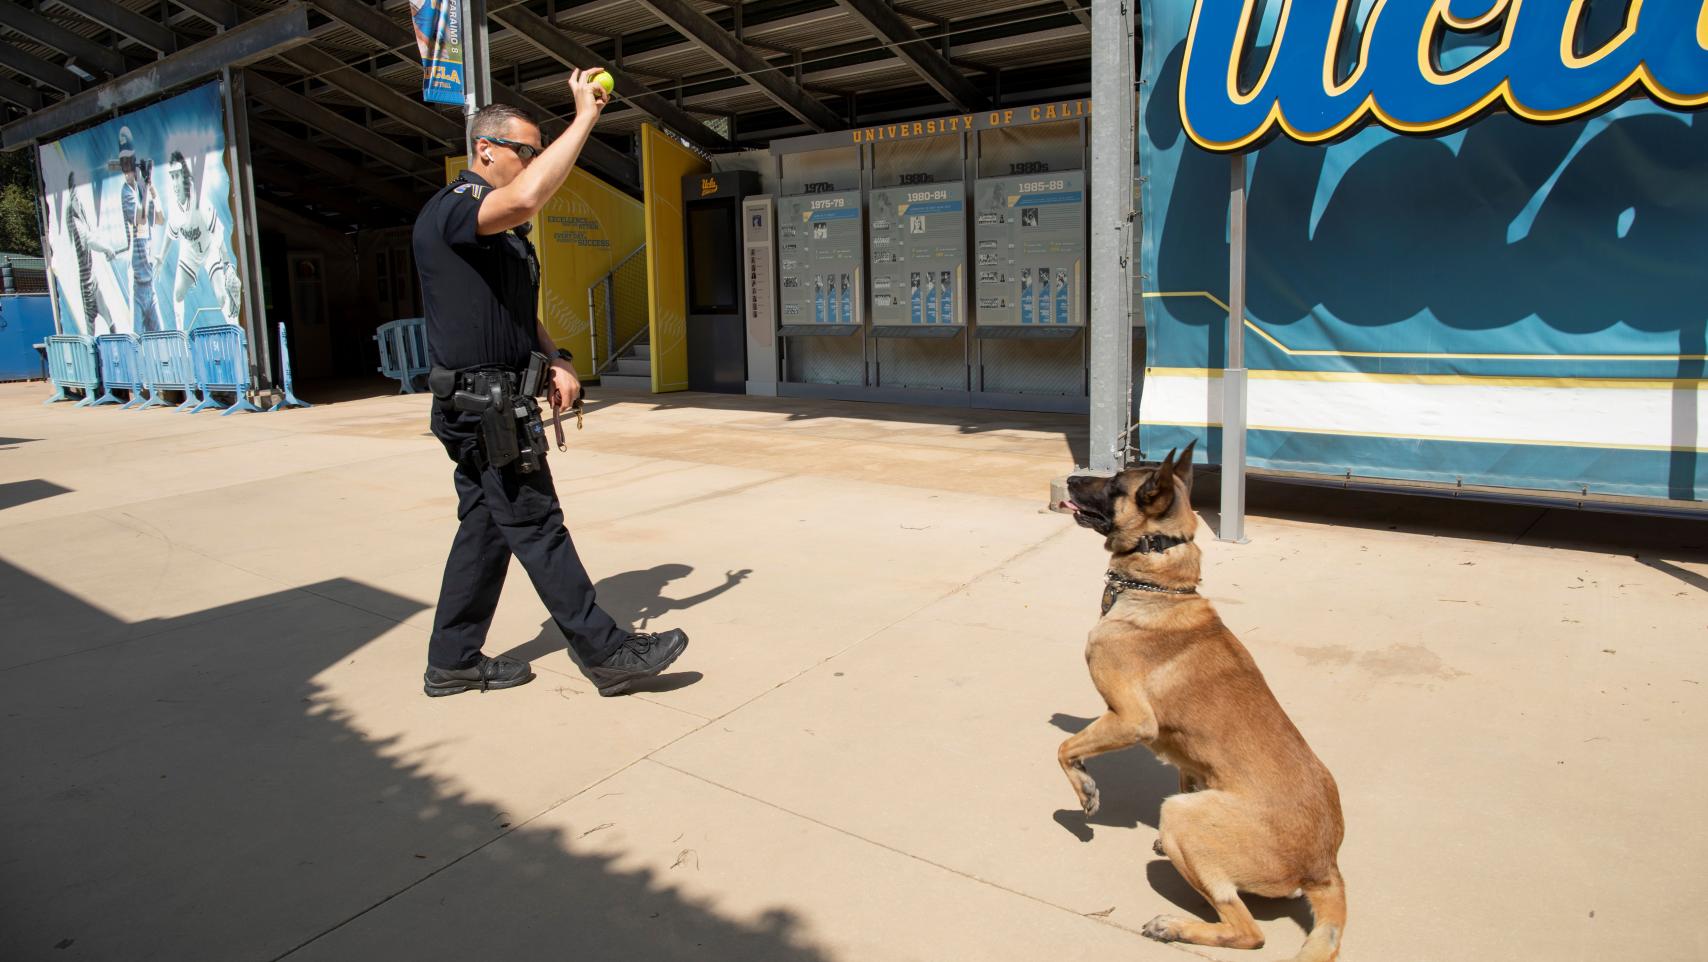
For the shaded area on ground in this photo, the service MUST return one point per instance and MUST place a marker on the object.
(198, 768)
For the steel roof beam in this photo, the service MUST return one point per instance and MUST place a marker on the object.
(88, 54)
(539, 31)
(39, 70)
(220, 13)
(126, 23)
(19, 94)
(705, 32)
(917, 52)
(264, 36)
(376, 94)
(346, 172)
(323, 118)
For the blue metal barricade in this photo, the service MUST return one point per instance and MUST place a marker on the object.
(403, 350)
(121, 369)
(166, 366)
(221, 359)
(290, 399)
(71, 363)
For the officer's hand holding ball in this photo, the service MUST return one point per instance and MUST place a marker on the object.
(592, 90)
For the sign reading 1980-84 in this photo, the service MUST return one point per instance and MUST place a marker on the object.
(1029, 249)
(919, 255)
(819, 258)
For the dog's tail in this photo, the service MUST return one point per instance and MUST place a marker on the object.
(1328, 911)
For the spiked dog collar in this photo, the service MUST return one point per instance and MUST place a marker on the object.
(1114, 585)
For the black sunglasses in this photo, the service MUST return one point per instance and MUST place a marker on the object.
(526, 152)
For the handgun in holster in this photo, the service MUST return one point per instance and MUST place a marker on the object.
(497, 419)
(510, 428)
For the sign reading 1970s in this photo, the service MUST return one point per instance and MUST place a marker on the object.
(1534, 64)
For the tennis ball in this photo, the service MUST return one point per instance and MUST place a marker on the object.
(604, 79)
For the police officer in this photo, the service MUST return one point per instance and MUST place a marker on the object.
(480, 287)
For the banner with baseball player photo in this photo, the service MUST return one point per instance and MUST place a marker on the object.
(139, 225)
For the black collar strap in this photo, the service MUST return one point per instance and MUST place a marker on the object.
(1152, 543)
(1114, 585)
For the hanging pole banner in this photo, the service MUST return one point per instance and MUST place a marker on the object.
(439, 38)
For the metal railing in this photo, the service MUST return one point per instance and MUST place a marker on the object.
(618, 309)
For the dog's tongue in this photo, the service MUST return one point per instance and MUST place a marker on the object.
(1069, 507)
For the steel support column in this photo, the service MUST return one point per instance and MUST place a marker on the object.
(245, 241)
(1111, 334)
(1232, 527)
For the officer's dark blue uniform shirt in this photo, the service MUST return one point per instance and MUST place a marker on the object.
(480, 294)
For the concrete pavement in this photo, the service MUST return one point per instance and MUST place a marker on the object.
(219, 748)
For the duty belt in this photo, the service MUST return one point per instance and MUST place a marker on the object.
(510, 428)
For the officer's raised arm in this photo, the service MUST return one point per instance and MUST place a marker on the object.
(542, 172)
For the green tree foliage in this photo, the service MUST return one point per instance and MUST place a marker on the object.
(20, 229)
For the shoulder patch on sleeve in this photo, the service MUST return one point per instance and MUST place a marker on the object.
(460, 188)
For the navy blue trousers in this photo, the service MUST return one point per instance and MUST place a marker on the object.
(504, 513)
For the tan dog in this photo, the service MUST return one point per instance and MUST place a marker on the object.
(1258, 812)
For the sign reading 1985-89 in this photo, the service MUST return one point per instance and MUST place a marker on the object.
(1029, 262)
(919, 255)
(819, 258)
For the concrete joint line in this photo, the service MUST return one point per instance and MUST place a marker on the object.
(890, 848)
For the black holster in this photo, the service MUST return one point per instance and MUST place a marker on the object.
(511, 431)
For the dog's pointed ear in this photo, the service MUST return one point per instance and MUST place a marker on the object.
(1183, 467)
(1157, 493)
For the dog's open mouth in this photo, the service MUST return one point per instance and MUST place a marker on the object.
(1086, 517)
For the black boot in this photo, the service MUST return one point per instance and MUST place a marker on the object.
(484, 675)
(642, 656)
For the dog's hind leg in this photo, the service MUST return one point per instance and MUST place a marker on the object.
(1195, 828)
(1110, 732)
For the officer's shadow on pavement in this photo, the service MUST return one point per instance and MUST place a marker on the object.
(637, 599)
(192, 787)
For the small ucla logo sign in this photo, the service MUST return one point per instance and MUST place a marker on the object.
(1319, 83)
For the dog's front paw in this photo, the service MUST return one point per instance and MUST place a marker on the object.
(1092, 799)
(1163, 928)
(1156, 847)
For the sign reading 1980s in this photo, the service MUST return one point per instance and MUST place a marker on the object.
(919, 254)
(1533, 59)
(1029, 249)
(819, 258)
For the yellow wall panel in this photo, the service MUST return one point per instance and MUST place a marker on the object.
(664, 162)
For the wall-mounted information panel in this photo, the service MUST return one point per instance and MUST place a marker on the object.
(937, 261)
(760, 266)
(1029, 239)
(919, 255)
(820, 258)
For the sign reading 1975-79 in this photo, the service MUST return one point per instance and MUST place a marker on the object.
(1029, 249)
(820, 258)
(919, 255)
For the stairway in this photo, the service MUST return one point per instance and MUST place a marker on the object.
(632, 372)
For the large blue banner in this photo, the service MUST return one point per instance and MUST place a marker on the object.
(1508, 304)
(139, 226)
